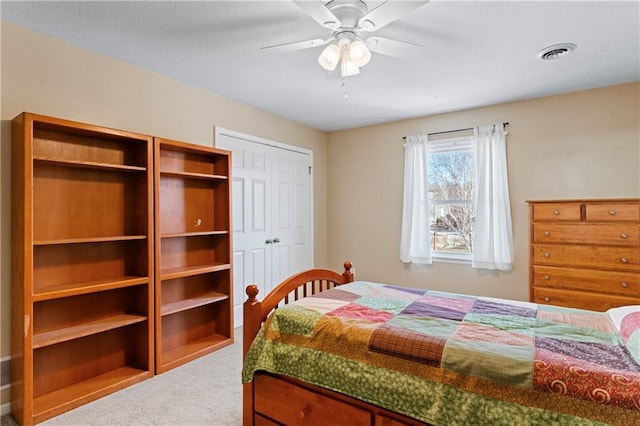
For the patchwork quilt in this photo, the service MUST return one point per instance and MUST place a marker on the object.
(450, 359)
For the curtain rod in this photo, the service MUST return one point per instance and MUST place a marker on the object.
(505, 124)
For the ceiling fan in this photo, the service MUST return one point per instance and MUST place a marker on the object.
(347, 19)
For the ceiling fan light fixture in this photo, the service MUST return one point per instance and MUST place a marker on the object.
(359, 53)
(348, 66)
(330, 57)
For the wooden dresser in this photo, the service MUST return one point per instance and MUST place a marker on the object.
(585, 253)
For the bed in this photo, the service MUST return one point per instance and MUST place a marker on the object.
(323, 349)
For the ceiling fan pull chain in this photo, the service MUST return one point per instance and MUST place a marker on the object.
(344, 84)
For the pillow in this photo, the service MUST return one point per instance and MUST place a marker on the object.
(618, 314)
(627, 322)
(629, 325)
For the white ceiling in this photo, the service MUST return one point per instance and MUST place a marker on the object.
(474, 53)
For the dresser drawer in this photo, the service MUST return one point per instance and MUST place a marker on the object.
(580, 299)
(556, 211)
(621, 234)
(615, 258)
(259, 420)
(289, 404)
(382, 420)
(622, 283)
(612, 212)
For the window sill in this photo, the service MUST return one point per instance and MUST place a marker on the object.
(451, 258)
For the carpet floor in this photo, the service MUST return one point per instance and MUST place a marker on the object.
(206, 391)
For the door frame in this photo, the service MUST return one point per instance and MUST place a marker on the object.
(218, 131)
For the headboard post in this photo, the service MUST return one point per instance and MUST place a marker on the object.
(347, 274)
(252, 314)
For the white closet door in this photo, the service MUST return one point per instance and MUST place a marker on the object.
(251, 216)
(291, 248)
(271, 214)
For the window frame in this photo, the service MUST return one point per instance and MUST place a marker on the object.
(460, 143)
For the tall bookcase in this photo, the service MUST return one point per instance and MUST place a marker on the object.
(82, 264)
(193, 290)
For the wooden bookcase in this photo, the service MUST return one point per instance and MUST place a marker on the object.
(82, 264)
(193, 279)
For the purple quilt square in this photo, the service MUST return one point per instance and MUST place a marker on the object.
(496, 308)
(417, 291)
(419, 309)
(610, 356)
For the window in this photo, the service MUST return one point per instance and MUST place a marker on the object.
(451, 211)
(451, 188)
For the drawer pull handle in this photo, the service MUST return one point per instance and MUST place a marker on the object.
(303, 413)
(625, 285)
(556, 212)
(624, 236)
(612, 212)
(547, 233)
(546, 277)
(547, 299)
(547, 255)
(624, 260)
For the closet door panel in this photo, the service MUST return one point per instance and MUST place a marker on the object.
(251, 220)
(271, 211)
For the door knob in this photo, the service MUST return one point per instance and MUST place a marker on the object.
(268, 242)
(276, 240)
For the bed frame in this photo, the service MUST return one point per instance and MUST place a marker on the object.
(275, 399)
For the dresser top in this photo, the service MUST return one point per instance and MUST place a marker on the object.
(588, 200)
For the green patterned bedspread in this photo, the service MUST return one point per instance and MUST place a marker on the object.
(450, 359)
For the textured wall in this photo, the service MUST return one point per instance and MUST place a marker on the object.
(46, 76)
(584, 144)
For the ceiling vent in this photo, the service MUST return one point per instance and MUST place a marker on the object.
(556, 51)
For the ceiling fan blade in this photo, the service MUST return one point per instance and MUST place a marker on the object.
(298, 45)
(318, 11)
(388, 12)
(390, 47)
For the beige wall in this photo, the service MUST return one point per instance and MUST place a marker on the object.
(579, 145)
(585, 144)
(46, 76)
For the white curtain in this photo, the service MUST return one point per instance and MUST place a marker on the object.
(415, 242)
(492, 237)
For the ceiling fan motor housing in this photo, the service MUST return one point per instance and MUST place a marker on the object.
(348, 12)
